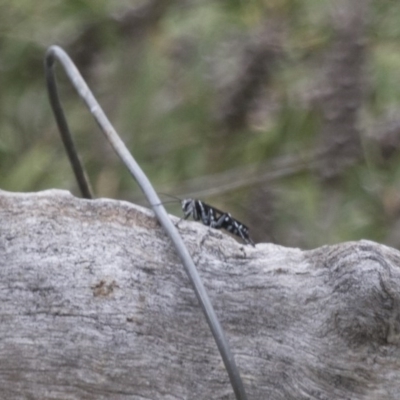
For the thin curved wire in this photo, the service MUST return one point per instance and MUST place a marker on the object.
(57, 53)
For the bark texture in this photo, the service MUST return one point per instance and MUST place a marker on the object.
(94, 304)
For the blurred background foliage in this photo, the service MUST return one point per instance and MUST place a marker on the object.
(284, 112)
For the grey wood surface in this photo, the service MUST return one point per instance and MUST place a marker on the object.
(94, 304)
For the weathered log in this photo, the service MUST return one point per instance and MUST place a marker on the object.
(94, 304)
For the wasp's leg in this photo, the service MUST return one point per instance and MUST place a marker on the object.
(223, 222)
(185, 217)
(207, 215)
(243, 232)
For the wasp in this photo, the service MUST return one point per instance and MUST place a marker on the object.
(215, 218)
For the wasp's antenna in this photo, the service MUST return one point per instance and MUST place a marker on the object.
(176, 199)
(166, 202)
(172, 197)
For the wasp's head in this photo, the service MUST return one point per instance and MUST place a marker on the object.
(187, 205)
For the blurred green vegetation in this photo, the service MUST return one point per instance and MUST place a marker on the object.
(167, 73)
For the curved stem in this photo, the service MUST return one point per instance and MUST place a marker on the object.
(57, 53)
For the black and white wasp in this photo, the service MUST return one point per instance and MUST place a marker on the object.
(215, 218)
